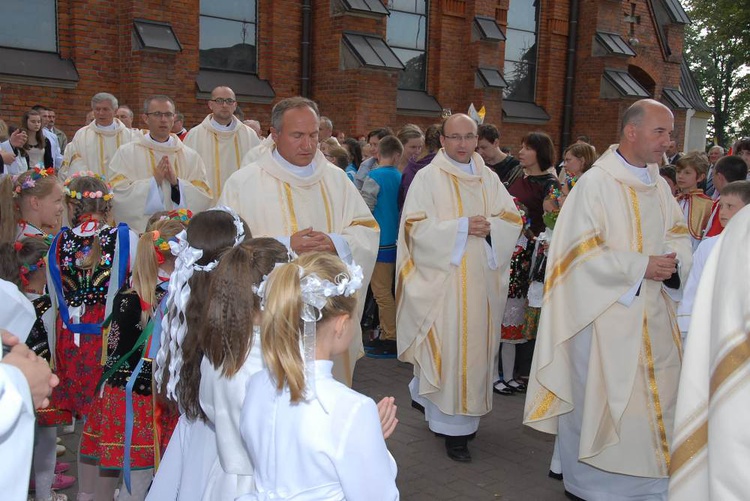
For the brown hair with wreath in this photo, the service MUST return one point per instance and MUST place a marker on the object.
(15, 191)
(213, 232)
(88, 196)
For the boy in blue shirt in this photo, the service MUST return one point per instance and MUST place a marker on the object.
(380, 191)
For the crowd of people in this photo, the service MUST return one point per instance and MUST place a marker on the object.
(195, 298)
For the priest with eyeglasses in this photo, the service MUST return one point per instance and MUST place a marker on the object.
(459, 227)
(157, 172)
(221, 140)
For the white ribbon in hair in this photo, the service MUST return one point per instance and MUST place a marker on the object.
(314, 293)
(174, 323)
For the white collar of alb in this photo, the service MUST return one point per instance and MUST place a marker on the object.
(468, 168)
(109, 127)
(216, 125)
(169, 142)
(640, 172)
(305, 171)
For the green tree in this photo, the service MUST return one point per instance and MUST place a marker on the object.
(717, 47)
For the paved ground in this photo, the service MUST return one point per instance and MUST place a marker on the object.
(510, 461)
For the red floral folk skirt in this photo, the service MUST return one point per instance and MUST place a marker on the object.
(78, 367)
(104, 433)
(53, 417)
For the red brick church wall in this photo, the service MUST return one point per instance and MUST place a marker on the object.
(97, 36)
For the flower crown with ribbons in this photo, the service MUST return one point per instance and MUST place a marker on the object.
(30, 181)
(27, 269)
(182, 215)
(314, 294)
(78, 195)
(160, 244)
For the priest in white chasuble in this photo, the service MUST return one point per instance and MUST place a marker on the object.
(221, 139)
(608, 352)
(255, 152)
(157, 172)
(292, 193)
(459, 227)
(93, 146)
(710, 454)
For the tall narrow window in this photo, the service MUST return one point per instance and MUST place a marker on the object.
(30, 24)
(521, 49)
(407, 36)
(228, 32)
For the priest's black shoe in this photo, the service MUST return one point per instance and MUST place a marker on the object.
(470, 437)
(457, 448)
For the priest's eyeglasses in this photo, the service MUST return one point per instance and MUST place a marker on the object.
(160, 114)
(458, 137)
(221, 101)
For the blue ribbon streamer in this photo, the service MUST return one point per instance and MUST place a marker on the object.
(129, 410)
(123, 242)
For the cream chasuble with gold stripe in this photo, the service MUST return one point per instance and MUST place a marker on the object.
(609, 226)
(711, 451)
(448, 317)
(92, 148)
(275, 202)
(222, 151)
(131, 174)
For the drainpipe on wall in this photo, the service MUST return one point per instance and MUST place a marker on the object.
(570, 76)
(306, 42)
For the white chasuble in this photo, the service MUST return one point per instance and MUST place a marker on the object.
(137, 197)
(92, 148)
(711, 451)
(276, 202)
(625, 371)
(222, 151)
(449, 315)
(256, 152)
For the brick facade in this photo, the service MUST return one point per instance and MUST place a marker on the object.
(96, 35)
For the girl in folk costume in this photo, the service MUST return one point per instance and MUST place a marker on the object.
(119, 433)
(535, 156)
(230, 342)
(48, 474)
(511, 330)
(578, 158)
(31, 204)
(552, 204)
(87, 266)
(309, 436)
(190, 455)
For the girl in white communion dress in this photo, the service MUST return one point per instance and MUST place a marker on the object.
(309, 436)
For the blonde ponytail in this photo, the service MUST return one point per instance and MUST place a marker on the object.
(146, 268)
(282, 324)
(145, 271)
(281, 330)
